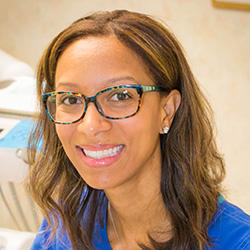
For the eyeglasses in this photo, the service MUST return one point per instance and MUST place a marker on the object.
(119, 102)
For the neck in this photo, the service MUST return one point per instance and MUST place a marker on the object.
(136, 211)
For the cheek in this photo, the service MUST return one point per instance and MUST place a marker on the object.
(142, 130)
(64, 132)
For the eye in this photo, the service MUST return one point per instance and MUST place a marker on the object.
(70, 100)
(122, 95)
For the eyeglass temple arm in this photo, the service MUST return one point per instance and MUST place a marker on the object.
(150, 88)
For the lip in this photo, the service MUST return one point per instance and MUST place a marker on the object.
(103, 162)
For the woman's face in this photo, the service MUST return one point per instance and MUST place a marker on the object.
(132, 145)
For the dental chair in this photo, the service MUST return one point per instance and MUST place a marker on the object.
(19, 216)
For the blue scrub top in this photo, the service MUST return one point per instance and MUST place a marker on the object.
(230, 229)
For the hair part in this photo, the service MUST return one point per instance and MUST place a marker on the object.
(192, 168)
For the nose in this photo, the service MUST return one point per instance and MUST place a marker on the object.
(93, 123)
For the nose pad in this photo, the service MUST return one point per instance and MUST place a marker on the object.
(93, 122)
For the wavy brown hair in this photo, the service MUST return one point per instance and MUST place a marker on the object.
(192, 168)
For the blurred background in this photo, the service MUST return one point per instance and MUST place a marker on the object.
(216, 41)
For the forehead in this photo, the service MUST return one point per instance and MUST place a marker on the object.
(95, 60)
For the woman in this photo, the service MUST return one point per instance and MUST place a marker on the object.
(130, 159)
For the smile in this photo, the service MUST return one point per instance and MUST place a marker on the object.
(100, 154)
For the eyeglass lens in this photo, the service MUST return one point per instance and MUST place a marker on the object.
(112, 103)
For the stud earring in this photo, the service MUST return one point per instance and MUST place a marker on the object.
(165, 130)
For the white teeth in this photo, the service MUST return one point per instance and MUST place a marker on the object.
(103, 153)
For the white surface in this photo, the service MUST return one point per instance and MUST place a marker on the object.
(6, 125)
(19, 97)
(12, 168)
(10, 67)
(15, 240)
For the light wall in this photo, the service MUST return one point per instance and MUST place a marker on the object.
(216, 43)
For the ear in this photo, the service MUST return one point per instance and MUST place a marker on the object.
(170, 104)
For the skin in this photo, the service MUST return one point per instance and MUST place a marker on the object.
(131, 181)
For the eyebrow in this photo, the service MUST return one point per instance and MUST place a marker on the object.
(67, 84)
(120, 78)
(112, 80)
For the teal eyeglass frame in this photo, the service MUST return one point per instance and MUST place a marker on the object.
(140, 90)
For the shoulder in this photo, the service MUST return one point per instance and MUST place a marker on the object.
(230, 228)
(45, 239)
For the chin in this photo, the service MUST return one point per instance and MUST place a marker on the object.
(99, 184)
